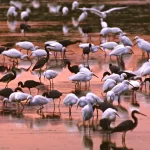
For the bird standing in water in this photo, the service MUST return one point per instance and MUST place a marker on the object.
(127, 125)
(8, 77)
(41, 62)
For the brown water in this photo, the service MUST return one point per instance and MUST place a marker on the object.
(30, 131)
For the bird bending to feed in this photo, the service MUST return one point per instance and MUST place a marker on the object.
(56, 47)
(39, 100)
(29, 84)
(70, 100)
(27, 46)
(87, 112)
(14, 54)
(50, 75)
(73, 68)
(109, 115)
(18, 97)
(54, 94)
(66, 43)
(127, 125)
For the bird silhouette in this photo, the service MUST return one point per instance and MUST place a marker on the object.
(41, 62)
(9, 77)
(29, 84)
(127, 125)
(54, 94)
(73, 69)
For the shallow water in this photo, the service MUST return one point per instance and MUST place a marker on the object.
(30, 131)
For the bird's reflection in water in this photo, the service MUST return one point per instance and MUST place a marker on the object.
(12, 24)
(87, 142)
(107, 144)
(38, 123)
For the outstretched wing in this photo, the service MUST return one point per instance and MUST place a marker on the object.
(113, 9)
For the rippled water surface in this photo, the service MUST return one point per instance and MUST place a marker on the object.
(30, 131)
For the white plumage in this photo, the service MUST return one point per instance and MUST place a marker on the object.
(116, 77)
(108, 84)
(110, 114)
(13, 53)
(27, 45)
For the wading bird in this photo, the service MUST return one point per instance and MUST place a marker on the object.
(127, 125)
(29, 84)
(70, 100)
(9, 77)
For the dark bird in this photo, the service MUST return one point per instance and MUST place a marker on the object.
(54, 94)
(30, 84)
(127, 125)
(66, 43)
(41, 62)
(10, 44)
(129, 75)
(7, 91)
(105, 73)
(72, 69)
(86, 50)
(86, 30)
(4, 68)
(144, 82)
(3, 49)
(8, 77)
(114, 68)
(24, 27)
(103, 106)
(105, 124)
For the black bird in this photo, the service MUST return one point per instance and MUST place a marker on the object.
(105, 73)
(86, 30)
(41, 62)
(7, 91)
(66, 43)
(30, 84)
(9, 44)
(24, 27)
(130, 75)
(114, 68)
(86, 50)
(144, 82)
(105, 124)
(103, 106)
(127, 125)
(72, 69)
(8, 77)
(54, 94)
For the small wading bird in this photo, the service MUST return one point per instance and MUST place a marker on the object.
(70, 100)
(73, 69)
(54, 94)
(56, 47)
(27, 46)
(41, 62)
(39, 100)
(29, 84)
(109, 115)
(9, 77)
(18, 97)
(50, 75)
(127, 125)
